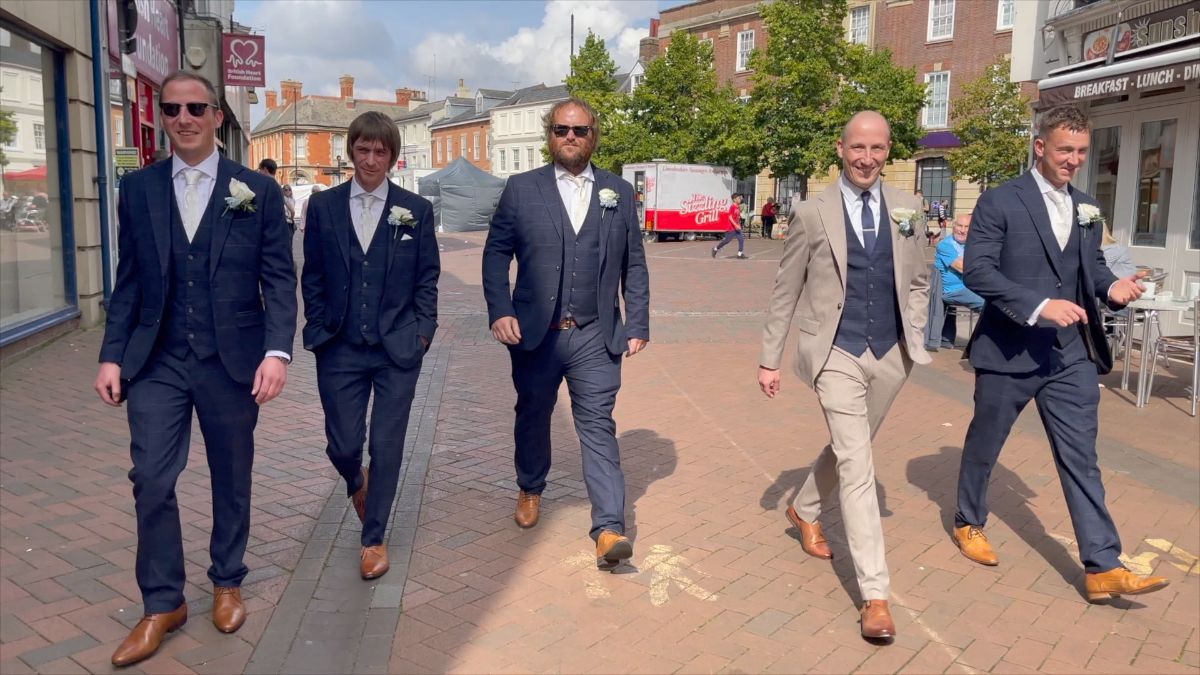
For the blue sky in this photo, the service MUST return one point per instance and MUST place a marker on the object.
(429, 45)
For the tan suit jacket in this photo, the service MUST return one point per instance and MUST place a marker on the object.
(811, 282)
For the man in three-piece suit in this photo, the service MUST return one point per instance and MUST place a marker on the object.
(573, 230)
(1033, 253)
(854, 276)
(202, 316)
(371, 269)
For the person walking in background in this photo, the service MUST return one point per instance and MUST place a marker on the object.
(734, 222)
(289, 208)
(855, 280)
(942, 211)
(371, 267)
(1033, 253)
(202, 317)
(268, 167)
(574, 231)
(769, 210)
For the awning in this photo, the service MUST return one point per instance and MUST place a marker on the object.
(939, 139)
(1158, 71)
(35, 174)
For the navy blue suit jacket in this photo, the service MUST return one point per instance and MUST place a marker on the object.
(250, 269)
(408, 309)
(530, 223)
(1012, 260)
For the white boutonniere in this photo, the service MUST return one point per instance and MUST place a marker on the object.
(1089, 215)
(608, 198)
(241, 197)
(906, 221)
(399, 217)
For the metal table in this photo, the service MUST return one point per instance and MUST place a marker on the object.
(1151, 307)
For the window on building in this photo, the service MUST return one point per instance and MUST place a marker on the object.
(437, 150)
(745, 45)
(475, 144)
(301, 146)
(339, 147)
(516, 158)
(937, 106)
(935, 182)
(530, 123)
(1156, 173)
(1005, 14)
(1104, 159)
(39, 136)
(789, 187)
(860, 25)
(941, 19)
(529, 157)
(635, 81)
(462, 145)
(503, 159)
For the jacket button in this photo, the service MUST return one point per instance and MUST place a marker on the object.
(552, 297)
(839, 305)
(1058, 285)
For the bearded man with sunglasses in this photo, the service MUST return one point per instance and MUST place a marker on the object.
(575, 234)
(202, 317)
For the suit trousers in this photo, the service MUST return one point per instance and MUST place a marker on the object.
(1067, 393)
(160, 403)
(346, 376)
(593, 378)
(855, 393)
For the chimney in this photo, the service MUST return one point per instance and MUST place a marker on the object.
(462, 91)
(654, 23)
(292, 90)
(346, 82)
(648, 49)
(404, 96)
(272, 99)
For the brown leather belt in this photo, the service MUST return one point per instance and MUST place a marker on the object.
(565, 324)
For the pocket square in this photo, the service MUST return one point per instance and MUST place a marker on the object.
(406, 237)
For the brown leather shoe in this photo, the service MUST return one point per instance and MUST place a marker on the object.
(228, 611)
(973, 543)
(612, 548)
(877, 620)
(812, 539)
(359, 499)
(148, 634)
(528, 506)
(373, 562)
(1120, 581)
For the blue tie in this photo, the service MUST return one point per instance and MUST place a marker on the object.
(868, 223)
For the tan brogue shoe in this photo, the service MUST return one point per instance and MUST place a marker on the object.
(359, 499)
(877, 620)
(148, 634)
(612, 548)
(812, 539)
(1120, 581)
(228, 611)
(973, 543)
(528, 506)
(373, 562)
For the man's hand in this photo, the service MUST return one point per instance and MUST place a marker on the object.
(424, 341)
(108, 383)
(269, 379)
(506, 330)
(635, 345)
(768, 381)
(1125, 291)
(1062, 313)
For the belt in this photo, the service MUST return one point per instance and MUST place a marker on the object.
(565, 324)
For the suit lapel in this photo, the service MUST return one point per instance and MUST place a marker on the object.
(886, 228)
(602, 216)
(219, 216)
(159, 204)
(343, 226)
(833, 220)
(1031, 197)
(549, 189)
(393, 237)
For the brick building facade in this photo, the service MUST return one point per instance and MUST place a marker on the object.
(467, 134)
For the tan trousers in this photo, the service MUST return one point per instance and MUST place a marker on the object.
(855, 393)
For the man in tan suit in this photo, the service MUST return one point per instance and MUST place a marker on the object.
(854, 277)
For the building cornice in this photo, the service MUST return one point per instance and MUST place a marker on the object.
(720, 16)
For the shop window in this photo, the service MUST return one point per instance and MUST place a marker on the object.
(936, 183)
(1156, 168)
(1105, 156)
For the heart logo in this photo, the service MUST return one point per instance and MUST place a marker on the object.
(243, 52)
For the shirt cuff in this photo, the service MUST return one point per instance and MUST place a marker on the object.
(275, 352)
(1037, 312)
(1108, 293)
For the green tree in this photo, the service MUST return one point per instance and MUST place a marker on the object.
(991, 118)
(593, 79)
(8, 133)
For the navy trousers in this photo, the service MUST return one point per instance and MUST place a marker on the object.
(1067, 393)
(593, 378)
(346, 376)
(160, 403)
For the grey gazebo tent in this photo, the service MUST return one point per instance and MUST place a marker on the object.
(463, 196)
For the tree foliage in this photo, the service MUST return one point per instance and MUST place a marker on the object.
(593, 79)
(991, 119)
(8, 133)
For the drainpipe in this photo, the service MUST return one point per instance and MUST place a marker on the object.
(100, 99)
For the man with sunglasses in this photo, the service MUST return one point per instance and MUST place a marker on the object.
(202, 317)
(574, 232)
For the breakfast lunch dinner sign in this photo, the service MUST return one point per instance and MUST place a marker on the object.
(243, 58)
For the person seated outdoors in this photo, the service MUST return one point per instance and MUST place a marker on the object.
(949, 264)
(1116, 256)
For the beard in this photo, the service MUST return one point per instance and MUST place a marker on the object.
(573, 162)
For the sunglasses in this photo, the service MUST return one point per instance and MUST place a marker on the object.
(195, 109)
(561, 130)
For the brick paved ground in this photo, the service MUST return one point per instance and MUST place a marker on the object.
(717, 583)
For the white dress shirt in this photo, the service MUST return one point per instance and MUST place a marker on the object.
(364, 228)
(570, 193)
(852, 198)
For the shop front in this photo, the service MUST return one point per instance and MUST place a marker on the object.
(156, 57)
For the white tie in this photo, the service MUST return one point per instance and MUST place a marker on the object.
(366, 223)
(1062, 222)
(191, 203)
(580, 206)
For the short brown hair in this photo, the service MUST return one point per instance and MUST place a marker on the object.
(181, 75)
(1062, 117)
(375, 126)
(548, 118)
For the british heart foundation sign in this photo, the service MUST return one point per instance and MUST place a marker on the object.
(244, 60)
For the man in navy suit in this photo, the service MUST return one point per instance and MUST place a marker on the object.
(573, 230)
(371, 269)
(202, 316)
(1033, 253)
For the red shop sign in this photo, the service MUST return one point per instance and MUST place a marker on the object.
(243, 59)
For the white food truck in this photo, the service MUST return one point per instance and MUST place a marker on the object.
(679, 201)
